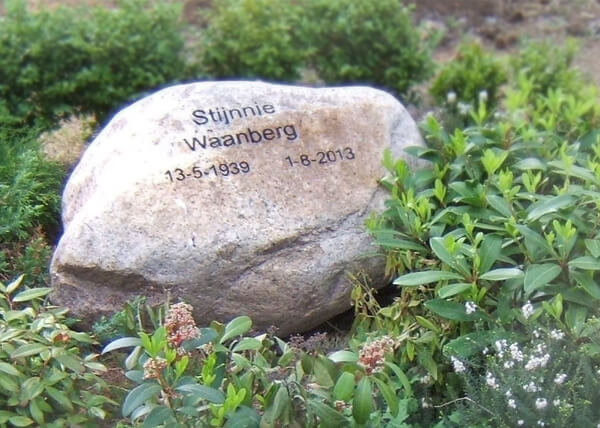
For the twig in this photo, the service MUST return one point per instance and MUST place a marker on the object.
(467, 399)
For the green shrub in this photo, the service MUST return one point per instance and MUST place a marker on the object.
(68, 60)
(548, 67)
(253, 39)
(29, 206)
(546, 378)
(473, 76)
(45, 381)
(368, 42)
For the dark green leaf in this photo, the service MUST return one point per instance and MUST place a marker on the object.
(244, 417)
(60, 397)
(27, 350)
(362, 404)
(450, 310)
(500, 204)
(246, 344)
(454, 289)
(530, 163)
(588, 283)
(548, 206)
(138, 396)
(236, 327)
(33, 293)
(344, 387)
(157, 416)
(585, 263)
(489, 251)
(538, 276)
(389, 395)
(401, 377)
(205, 392)
(534, 241)
(593, 246)
(328, 416)
(20, 421)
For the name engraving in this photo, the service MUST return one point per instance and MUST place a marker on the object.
(251, 135)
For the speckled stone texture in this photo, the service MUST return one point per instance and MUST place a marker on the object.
(240, 198)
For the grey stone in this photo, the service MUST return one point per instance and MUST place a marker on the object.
(267, 222)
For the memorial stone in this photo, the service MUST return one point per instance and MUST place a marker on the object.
(240, 198)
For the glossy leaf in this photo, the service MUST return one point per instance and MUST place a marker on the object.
(138, 396)
(236, 327)
(28, 350)
(549, 206)
(124, 342)
(425, 277)
(538, 276)
(593, 246)
(247, 344)
(585, 263)
(157, 416)
(362, 404)
(388, 395)
(329, 417)
(588, 283)
(489, 251)
(344, 387)
(33, 293)
(454, 289)
(450, 310)
(343, 357)
(205, 392)
(502, 274)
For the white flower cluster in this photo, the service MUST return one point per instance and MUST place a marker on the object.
(539, 360)
(541, 403)
(560, 378)
(530, 387)
(527, 310)
(557, 334)
(470, 307)
(458, 365)
(491, 381)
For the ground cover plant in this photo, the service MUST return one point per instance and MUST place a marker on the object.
(494, 247)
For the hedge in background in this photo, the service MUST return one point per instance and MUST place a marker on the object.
(58, 62)
(253, 39)
(364, 41)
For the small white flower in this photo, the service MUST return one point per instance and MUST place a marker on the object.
(491, 381)
(470, 307)
(451, 97)
(458, 365)
(426, 379)
(515, 352)
(464, 108)
(508, 393)
(486, 350)
(536, 362)
(556, 403)
(520, 422)
(425, 403)
(541, 423)
(512, 404)
(483, 96)
(536, 333)
(540, 403)
(527, 310)
(530, 387)
(509, 364)
(560, 378)
(557, 334)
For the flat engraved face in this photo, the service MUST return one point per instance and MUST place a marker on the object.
(272, 159)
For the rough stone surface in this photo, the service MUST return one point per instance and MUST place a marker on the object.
(148, 209)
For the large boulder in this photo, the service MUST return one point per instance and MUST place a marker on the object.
(236, 197)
